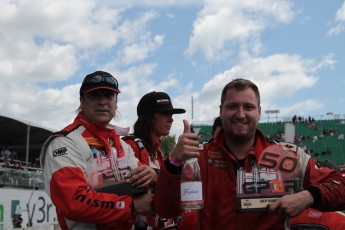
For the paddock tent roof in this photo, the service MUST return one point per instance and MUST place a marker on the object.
(23, 136)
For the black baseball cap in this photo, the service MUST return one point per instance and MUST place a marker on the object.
(99, 80)
(156, 101)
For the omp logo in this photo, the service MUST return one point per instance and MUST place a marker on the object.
(60, 152)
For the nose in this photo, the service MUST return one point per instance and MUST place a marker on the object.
(170, 118)
(102, 99)
(240, 112)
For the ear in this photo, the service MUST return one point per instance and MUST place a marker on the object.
(81, 100)
(220, 110)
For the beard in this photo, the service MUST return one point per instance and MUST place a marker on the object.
(239, 134)
(238, 137)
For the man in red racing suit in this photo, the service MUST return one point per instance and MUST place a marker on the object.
(89, 171)
(248, 182)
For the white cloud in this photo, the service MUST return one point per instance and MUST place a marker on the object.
(52, 108)
(170, 15)
(40, 37)
(157, 3)
(278, 77)
(340, 16)
(339, 28)
(302, 108)
(222, 23)
(140, 51)
(21, 57)
(138, 42)
(340, 19)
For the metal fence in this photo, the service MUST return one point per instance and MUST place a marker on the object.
(21, 178)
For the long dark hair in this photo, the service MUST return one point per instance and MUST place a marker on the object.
(143, 130)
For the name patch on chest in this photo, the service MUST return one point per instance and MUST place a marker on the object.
(217, 160)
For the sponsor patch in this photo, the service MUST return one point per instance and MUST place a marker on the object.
(314, 214)
(288, 146)
(163, 101)
(215, 154)
(140, 145)
(222, 164)
(60, 152)
(94, 142)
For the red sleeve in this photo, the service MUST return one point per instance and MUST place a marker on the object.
(329, 184)
(313, 219)
(134, 146)
(66, 183)
(70, 195)
(167, 194)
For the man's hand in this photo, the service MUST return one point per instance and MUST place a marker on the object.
(143, 204)
(142, 176)
(291, 205)
(187, 145)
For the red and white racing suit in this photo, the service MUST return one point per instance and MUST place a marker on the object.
(142, 154)
(82, 157)
(219, 171)
(140, 151)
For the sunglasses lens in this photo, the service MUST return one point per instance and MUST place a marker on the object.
(111, 80)
(95, 79)
(100, 79)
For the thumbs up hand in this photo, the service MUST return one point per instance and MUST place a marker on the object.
(186, 126)
(187, 145)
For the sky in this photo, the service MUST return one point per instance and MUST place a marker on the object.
(293, 50)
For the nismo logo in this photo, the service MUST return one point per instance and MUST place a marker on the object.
(95, 202)
(60, 152)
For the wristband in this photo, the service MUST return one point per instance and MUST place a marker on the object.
(132, 206)
(312, 201)
(174, 162)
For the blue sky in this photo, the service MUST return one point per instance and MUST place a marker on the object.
(293, 50)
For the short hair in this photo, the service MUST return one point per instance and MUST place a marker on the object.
(240, 84)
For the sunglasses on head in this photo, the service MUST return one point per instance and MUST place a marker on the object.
(101, 79)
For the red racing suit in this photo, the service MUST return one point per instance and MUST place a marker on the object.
(155, 163)
(219, 171)
(79, 158)
(142, 154)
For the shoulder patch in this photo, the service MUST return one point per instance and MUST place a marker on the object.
(137, 140)
(140, 144)
(60, 152)
(288, 146)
